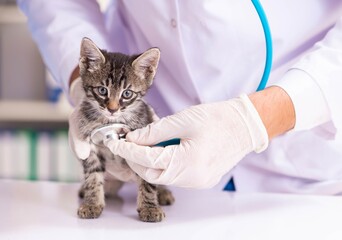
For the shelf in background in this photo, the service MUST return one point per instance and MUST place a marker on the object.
(11, 14)
(33, 114)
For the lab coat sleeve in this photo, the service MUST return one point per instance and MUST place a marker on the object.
(315, 84)
(57, 26)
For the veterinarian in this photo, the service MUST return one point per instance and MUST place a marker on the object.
(286, 138)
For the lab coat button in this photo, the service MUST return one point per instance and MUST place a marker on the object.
(173, 23)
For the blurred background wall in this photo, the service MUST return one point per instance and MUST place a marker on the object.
(33, 111)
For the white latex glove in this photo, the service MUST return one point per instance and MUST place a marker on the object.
(214, 138)
(80, 147)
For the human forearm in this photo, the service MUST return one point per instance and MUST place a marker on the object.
(275, 109)
(74, 75)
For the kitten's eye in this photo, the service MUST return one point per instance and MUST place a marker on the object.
(127, 94)
(102, 91)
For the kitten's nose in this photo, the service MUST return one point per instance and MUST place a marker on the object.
(112, 107)
(112, 110)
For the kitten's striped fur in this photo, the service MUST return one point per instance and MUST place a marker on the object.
(114, 85)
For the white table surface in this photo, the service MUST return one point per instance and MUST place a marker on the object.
(46, 210)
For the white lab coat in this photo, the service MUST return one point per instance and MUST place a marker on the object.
(213, 51)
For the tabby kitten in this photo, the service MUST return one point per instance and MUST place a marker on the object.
(114, 85)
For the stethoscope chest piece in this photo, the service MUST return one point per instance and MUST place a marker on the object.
(113, 131)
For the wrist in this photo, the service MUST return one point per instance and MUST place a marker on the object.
(256, 128)
(74, 75)
(275, 109)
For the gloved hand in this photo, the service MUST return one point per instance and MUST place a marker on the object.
(214, 138)
(80, 147)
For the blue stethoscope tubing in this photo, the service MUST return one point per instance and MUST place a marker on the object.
(268, 61)
(269, 46)
(230, 186)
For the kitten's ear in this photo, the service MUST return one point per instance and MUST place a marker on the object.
(145, 66)
(91, 57)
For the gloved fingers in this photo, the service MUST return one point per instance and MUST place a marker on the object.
(151, 157)
(150, 175)
(165, 129)
(173, 176)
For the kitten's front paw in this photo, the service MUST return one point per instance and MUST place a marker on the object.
(89, 211)
(155, 214)
(165, 197)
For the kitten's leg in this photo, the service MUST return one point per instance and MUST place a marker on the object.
(93, 191)
(111, 188)
(148, 206)
(165, 196)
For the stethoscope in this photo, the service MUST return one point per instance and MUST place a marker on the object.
(268, 40)
(113, 131)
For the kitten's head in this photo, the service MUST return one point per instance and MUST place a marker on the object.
(114, 81)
